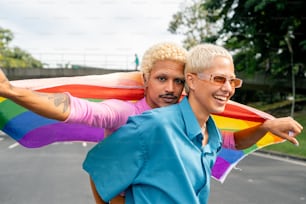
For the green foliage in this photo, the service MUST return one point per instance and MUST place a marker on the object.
(194, 17)
(14, 57)
(263, 34)
(5, 37)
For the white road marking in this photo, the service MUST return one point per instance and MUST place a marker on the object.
(13, 145)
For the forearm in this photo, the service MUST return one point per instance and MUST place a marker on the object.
(286, 128)
(248, 137)
(50, 105)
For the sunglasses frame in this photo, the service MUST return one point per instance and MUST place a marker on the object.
(234, 82)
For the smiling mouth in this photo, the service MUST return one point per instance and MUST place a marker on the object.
(221, 98)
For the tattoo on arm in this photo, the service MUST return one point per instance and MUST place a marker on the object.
(61, 99)
(58, 99)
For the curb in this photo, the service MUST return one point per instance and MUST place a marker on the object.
(282, 155)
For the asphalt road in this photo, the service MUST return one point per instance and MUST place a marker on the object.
(49, 175)
(53, 175)
(263, 179)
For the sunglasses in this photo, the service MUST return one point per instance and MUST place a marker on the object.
(220, 80)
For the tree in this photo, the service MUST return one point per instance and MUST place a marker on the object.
(14, 57)
(191, 22)
(264, 35)
(255, 30)
(5, 37)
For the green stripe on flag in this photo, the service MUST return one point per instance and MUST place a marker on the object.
(9, 110)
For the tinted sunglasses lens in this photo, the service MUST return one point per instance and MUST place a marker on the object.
(219, 80)
(237, 83)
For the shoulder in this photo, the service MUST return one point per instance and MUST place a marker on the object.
(164, 110)
(116, 101)
(120, 105)
(157, 116)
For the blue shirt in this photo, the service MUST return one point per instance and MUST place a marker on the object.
(156, 158)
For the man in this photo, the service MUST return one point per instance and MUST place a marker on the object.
(136, 61)
(163, 71)
(165, 155)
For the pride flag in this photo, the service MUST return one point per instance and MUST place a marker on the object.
(33, 131)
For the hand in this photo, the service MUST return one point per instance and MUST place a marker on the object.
(285, 127)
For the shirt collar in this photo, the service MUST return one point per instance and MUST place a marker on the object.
(193, 128)
(215, 139)
(142, 105)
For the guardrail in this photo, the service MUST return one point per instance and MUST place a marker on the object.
(255, 82)
(31, 73)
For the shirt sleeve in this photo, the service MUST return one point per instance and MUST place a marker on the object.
(114, 163)
(110, 114)
(228, 140)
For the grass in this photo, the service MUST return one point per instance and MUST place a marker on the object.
(287, 147)
(281, 109)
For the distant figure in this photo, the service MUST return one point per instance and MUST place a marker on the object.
(136, 61)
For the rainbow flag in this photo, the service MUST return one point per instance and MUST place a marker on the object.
(33, 131)
(238, 117)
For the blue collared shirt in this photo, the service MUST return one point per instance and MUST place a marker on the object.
(156, 158)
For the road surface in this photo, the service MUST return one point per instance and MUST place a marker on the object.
(54, 175)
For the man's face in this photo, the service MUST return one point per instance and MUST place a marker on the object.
(165, 83)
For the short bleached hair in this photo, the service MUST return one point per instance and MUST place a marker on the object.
(201, 56)
(162, 51)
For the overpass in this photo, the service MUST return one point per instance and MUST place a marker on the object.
(257, 81)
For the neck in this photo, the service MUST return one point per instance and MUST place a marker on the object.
(201, 114)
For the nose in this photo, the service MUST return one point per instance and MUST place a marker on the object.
(227, 86)
(170, 86)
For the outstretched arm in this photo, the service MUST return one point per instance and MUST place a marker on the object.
(50, 105)
(286, 128)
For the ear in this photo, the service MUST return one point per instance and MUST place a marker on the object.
(145, 80)
(190, 80)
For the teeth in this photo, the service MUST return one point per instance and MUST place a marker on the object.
(221, 98)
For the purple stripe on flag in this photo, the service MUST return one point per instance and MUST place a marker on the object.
(226, 158)
(61, 132)
(220, 167)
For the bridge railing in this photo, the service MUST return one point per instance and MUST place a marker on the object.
(255, 81)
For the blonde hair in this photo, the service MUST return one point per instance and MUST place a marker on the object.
(201, 56)
(162, 51)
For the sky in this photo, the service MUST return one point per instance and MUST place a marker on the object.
(103, 33)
